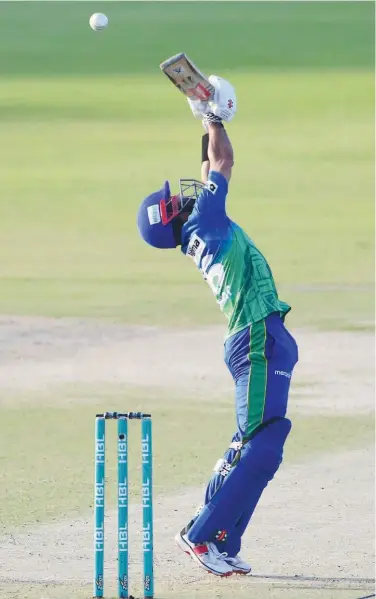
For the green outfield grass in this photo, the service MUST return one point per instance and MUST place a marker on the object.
(54, 38)
(90, 127)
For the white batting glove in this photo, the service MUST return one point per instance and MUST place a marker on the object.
(198, 107)
(224, 103)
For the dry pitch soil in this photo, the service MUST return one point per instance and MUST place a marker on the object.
(314, 523)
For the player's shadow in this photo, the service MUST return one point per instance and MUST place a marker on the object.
(352, 584)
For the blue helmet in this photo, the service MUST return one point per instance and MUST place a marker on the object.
(158, 211)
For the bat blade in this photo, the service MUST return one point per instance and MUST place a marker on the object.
(187, 77)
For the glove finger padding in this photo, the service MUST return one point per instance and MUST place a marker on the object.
(198, 107)
(224, 103)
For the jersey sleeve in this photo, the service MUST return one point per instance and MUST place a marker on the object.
(211, 203)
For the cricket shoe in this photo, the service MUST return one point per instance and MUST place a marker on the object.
(238, 565)
(206, 555)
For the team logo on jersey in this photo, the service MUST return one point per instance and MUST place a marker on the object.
(211, 186)
(195, 248)
(154, 214)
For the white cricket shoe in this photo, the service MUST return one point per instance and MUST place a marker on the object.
(239, 566)
(206, 555)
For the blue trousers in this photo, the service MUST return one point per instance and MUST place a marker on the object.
(261, 359)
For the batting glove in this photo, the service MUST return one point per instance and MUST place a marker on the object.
(198, 107)
(223, 104)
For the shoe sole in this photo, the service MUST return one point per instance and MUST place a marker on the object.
(187, 549)
(240, 572)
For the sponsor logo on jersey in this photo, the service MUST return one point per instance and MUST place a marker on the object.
(195, 248)
(211, 186)
(283, 373)
(154, 214)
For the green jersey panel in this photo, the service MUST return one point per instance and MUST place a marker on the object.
(235, 269)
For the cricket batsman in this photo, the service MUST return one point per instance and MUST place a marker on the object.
(260, 353)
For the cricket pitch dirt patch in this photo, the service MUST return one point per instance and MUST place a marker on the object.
(314, 523)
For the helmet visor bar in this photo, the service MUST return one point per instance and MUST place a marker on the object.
(171, 207)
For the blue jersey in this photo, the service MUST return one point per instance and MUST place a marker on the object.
(234, 268)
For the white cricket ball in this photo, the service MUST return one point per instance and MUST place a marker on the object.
(98, 21)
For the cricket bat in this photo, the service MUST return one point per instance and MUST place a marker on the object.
(187, 77)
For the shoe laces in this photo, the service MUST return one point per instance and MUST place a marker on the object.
(213, 548)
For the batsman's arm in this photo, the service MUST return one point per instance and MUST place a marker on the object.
(220, 152)
(205, 164)
(205, 168)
